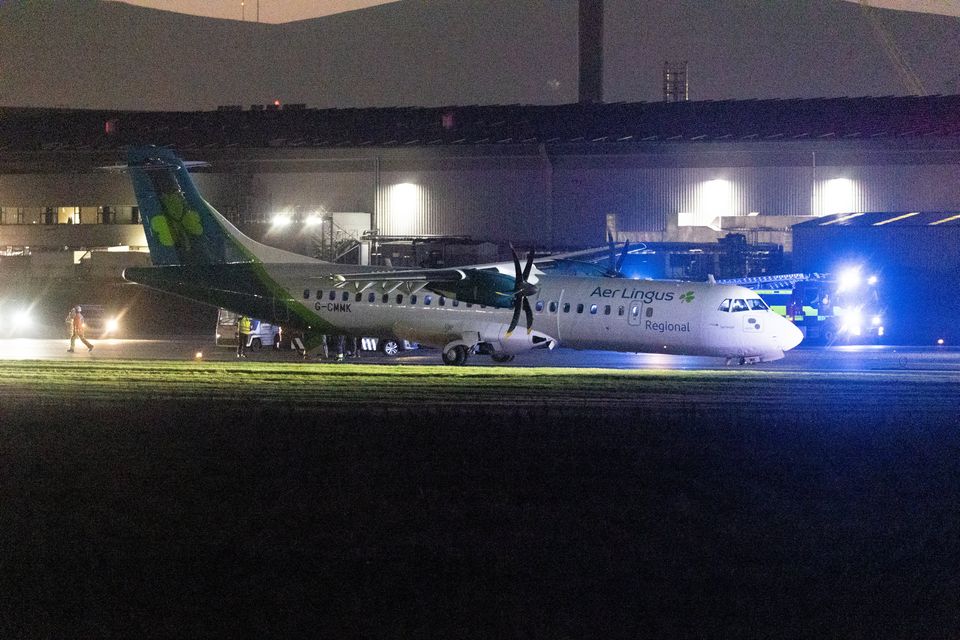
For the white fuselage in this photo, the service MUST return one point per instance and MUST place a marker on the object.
(581, 313)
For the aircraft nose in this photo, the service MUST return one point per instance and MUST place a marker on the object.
(789, 334)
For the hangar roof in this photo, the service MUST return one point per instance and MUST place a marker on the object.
(884, 219)
(600, 124)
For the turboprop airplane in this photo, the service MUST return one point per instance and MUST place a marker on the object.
(200, 255)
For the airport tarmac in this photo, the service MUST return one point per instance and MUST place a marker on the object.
(848, 358)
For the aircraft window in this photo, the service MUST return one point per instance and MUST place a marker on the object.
(319, 293)
(359, 297)
(333, 295)
(620, 310)
(580, 308)
(399, 298)
(345, 296)
(635, 311)
(386, 298)
(306, 294)
(539, 306)
(442, 301)
(553, 307)
(739, 305)
(756, 304)
(455, 302)
(469, 305)
(725, 305)
(593, 309)
(427, 299)
(606, 310)
(372, 297)
(649, 312)
(566, 307)
(413, 299)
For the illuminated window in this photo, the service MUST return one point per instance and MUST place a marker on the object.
(427, 299)
(593, 309)
(539, 306)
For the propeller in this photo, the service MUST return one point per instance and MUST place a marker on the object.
(521, 291)
(615, 262)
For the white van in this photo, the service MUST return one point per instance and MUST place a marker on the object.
(262, 334)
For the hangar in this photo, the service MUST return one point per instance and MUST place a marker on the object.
(552, 176)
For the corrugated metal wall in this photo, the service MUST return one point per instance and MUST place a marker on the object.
(545, 196)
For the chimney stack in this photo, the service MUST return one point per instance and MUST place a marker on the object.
(591, 51)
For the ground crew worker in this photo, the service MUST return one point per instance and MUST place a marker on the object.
(75, 321)
(243, 335)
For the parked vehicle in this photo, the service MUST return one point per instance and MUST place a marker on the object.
(262, 334)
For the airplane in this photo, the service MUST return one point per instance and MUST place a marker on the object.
(198, 254)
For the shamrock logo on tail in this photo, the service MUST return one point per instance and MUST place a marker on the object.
(177, 224)
(687, 297)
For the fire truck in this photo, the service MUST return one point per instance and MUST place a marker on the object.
(829, 308)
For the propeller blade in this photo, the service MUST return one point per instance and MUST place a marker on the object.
(612, 251)
(623, 254)
(516, 266)
(515, 319)
(529, 266)
(527, 310)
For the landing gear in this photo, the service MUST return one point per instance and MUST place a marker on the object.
(455, 356)
(390, 347)
(502, 357)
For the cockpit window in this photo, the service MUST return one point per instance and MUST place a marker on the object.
(739, 305)
(725, 305)
(756, 304)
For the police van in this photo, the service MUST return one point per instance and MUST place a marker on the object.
(262, 334)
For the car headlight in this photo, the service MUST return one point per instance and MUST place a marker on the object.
(112, 325)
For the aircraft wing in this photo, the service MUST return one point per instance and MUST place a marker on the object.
(403, 276)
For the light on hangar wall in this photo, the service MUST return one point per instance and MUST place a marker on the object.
(714, 199)
(839, 195)
(404, 207)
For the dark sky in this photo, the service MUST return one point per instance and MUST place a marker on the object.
(91, 54)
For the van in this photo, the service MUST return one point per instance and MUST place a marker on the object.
(262, 334)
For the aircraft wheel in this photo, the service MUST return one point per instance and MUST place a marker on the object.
(502, 357)
(455, 356)
(392, 348)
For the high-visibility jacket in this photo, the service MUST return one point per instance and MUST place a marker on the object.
(244, 324)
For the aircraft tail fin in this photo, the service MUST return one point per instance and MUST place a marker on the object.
(181, 227)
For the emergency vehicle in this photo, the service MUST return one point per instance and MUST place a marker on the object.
(827, 308)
